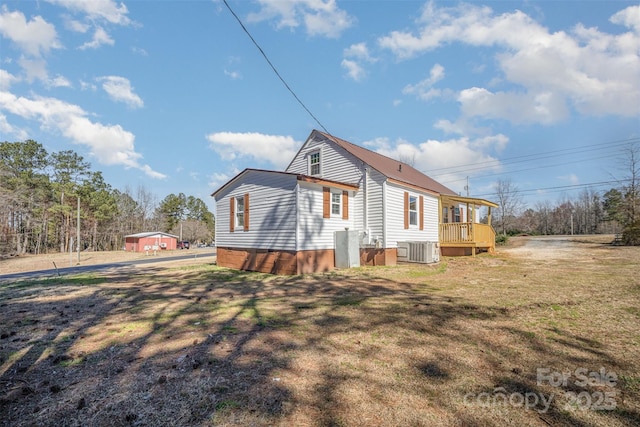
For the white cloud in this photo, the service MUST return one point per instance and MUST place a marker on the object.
(629, 17)
(594, 72)
(87, 86)
(106, 10)
(75, 25)
(234, 75)
(7, 129)
(35, 37)
(275, 149)
(59, 81)
(320, 17)
(521, 108)
(449, 127)
(424, 89)
(140, 51)
(359, 51)
(34, 69)
(354, 57)
(100, 37)
(432, 156)
(119, 90)
(96, 14)
(7, 79)
(354, 70)
(110, 144)
(218, 179)
(572, 179)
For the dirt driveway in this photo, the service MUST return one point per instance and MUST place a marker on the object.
(557, 247)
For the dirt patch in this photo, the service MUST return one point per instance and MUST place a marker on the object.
(414, 344)
(557, 247)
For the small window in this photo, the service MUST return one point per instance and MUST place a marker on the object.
(314, 163)
(445, 215)
(336, 203)
(413, 210)
(456, 215)
(240, 212)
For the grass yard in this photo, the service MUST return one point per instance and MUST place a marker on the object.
(543, 333)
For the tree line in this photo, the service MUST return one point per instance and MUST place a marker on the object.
(41, 195)
(616, 211)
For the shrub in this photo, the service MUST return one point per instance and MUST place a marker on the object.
(631, 234)
(501, 239)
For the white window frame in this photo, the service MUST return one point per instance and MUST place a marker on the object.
(319, 163)
(457, 214)
(239, 216)
(413, 213)
(337, 203)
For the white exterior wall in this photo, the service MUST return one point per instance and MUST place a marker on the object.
(335, 163)
(375, 217)
(394, 213)
(314, 231)
(272, 212)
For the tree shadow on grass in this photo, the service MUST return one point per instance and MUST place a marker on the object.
(217, 346)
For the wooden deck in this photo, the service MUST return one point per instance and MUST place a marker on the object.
(468, 235)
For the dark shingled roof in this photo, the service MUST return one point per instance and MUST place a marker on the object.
(389, 167)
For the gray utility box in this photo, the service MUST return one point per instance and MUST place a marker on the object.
(347, 248)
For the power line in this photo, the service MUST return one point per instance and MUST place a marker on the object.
(273, 67)
(560, 187)
(528, 169)
(530, 157)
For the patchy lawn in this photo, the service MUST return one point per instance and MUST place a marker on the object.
(540, 334)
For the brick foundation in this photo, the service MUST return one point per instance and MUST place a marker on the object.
(291, 262)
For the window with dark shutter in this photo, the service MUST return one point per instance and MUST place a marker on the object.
(246, 212)
(345, 205)
(232, 212)
(421, 213)
(406, 210)
(326, 202)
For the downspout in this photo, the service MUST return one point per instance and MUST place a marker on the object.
(297, 233)
(365, 201)
(297, 193)
(384, 214)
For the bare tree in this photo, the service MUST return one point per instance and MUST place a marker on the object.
(510, 201)
(631, 195)
(544, 210)
(409, 159)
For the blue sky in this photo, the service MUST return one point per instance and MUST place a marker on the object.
(173, 95)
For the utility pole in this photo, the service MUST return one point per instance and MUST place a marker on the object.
(572, 223)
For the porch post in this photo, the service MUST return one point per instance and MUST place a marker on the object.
(440, 219)
(470, 225)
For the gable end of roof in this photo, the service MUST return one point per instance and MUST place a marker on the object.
(391, 168)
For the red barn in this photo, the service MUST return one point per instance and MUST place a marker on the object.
(149, 241)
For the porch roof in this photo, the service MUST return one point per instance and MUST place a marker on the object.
(470, 200)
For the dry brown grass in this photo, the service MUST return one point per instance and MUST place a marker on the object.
(202, 345)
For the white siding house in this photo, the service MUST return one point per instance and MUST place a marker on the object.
(284, 222)
(280, 222)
